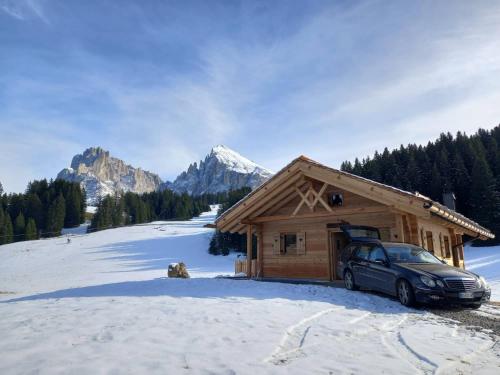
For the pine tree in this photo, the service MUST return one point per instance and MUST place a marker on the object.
(483, 194)
(19, 227)
(213, 249)
(2, 223)
(31, 231)
(7, 234)
(73, 209)
(83, 205)
(56, 214)
(34, 209)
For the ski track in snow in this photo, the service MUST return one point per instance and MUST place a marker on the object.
(294, 338)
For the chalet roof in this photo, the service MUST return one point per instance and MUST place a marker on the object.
(403, 200)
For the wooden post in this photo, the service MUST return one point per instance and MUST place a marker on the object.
(249, 250)
(260, 252)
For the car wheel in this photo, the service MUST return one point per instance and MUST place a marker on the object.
(405, 293)
(349, 281)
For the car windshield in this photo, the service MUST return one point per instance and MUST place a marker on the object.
(409, 254)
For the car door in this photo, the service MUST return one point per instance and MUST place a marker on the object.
(379, 275)
(359, 264)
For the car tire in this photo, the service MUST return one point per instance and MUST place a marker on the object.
(405, 292)
(349, 282)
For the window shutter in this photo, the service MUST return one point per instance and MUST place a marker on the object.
(301, 243)
(276, 244)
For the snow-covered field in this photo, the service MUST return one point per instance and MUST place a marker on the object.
(485, 261)
(102, 305)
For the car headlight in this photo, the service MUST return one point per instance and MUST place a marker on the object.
(440, 283)
(483, 281)
(428, 281)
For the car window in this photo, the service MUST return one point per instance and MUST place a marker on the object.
(347, 253)
(377, 253)
(363, 252)
(410, 254)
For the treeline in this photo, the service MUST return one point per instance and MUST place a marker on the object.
(468, 166)
(223, 243)
(132, 208)
(42, 211)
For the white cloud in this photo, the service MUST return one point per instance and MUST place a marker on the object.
(24, 9)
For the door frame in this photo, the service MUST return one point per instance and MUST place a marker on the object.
(332, 255)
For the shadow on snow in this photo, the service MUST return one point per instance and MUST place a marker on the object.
(227, 289)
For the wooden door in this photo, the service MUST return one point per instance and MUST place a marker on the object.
(338, 241)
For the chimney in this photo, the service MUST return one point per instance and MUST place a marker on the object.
(449, 200)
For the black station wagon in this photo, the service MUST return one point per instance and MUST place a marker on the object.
(408, 272)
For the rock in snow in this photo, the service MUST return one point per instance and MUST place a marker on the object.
(101, 175)
(223, 169)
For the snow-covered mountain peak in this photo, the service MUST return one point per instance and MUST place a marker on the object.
(234, 160)
(222, 169)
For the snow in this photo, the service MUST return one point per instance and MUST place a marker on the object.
(237, 162)
(81, 229)
(485, 261)
(102, 304)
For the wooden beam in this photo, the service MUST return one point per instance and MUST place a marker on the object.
(364, 189)
(316, 197)
(319, 197)
(302, 201)
(276, 202)
(249, 251)
(229, 224)
(334, 214)
(260, 252)
(256, 197)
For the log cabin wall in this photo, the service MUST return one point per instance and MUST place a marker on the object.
(314, 262)
(441, 240)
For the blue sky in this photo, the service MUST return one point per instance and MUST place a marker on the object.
(158, 83)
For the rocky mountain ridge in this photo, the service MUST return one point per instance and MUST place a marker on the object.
(101, 174)
(222, 169)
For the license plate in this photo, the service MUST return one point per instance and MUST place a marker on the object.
(465, 295)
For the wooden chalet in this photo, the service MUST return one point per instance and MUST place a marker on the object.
(294, 218)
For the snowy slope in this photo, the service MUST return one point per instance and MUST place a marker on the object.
(102, 305)
(485, 261)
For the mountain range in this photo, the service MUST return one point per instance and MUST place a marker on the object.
(222, 169)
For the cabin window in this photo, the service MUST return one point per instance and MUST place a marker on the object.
(430, 241)
(447, 247)
(289, 243)
(335, 199)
